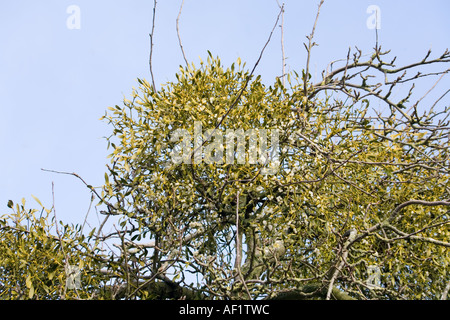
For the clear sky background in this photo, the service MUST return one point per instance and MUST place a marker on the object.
(56, 82)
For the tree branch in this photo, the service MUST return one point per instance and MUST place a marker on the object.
(283, 57)
(178, 34)
(308, 50)
(310, 291)
(238, 260)
(151, 46)
(417, 202)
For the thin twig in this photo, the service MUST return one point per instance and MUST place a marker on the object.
(411, 236)
(56, 220)
(417, 202)
(87, 213)
(432, 107)
(308, 49)
(178, 33)
(109, 206)
(435, 84)
(75, 175)
(151, 45)
(283, 57)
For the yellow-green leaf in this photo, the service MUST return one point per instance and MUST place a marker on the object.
(37, 200)
(28, 282)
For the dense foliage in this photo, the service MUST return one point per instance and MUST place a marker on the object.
(339, 166)
(226, 187)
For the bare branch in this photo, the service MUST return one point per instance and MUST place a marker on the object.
(178, 34)
(108, 205)
(434, 85)
(308, 49)
(342, 260)
(417, 202)
(404, 235)
(283, 57)
(151, 45)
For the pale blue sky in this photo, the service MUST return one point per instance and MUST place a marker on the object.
(55, 83)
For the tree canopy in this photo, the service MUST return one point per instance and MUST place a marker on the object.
(226, 187)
